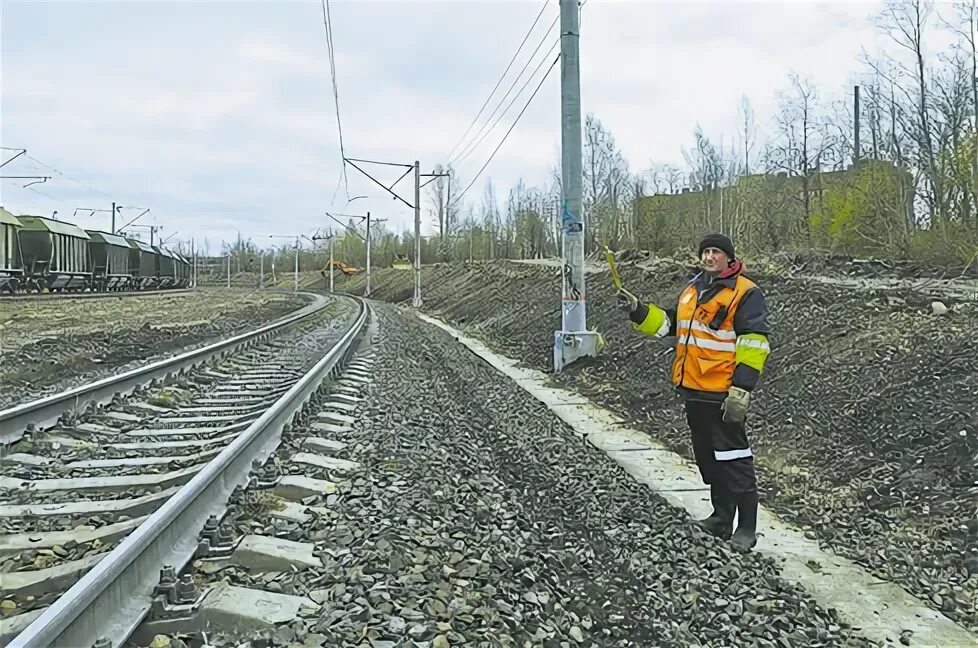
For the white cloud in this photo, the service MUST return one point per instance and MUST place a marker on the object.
(221, 114)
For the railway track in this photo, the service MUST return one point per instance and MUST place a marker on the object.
(93, 508)
(69, 404)
(5, 298)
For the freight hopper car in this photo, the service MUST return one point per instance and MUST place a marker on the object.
(165, 267)
(55, 255)
(142, 265)
(11, 264)
(40, 254)
(110, 262)
(181, 270)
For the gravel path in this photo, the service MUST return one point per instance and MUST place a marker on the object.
(479, 519)
(864, 425)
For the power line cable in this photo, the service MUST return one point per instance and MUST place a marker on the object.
(513, 101)
(537, 89)
(496, 87)
(468, 149)
(339, 183)
(65, 175)
(328, 25)
(57, 171)
(503, 140)
(32, 190)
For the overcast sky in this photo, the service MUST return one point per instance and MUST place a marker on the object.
(219, 116)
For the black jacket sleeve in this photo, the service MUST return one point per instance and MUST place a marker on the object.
(751, 317)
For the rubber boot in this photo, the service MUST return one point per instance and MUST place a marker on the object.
(720, 523)
(744, 538)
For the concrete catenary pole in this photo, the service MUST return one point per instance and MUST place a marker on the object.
(855, 127)
(417, 234)
(573, 341)
(367, 294)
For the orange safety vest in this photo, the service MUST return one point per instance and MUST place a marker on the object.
(705, 338)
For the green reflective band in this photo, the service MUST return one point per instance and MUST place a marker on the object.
(752, 350)
(656, 324)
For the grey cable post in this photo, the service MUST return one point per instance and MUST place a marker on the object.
(573, 341)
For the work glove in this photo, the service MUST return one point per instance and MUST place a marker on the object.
(735, 405)
(626, 300)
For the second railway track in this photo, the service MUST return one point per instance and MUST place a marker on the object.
(94, 506)
(55, 296)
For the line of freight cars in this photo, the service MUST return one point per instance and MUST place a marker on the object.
(40, 254)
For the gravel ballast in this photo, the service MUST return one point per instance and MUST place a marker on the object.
(476, 517)
(864, 428)
(51, 345)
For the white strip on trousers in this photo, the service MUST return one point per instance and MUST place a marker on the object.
(730, 455)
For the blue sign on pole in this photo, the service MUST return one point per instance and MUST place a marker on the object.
(569, 224)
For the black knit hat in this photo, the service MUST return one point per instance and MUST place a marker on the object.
(718, 241)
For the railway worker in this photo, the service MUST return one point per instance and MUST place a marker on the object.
(721, 329)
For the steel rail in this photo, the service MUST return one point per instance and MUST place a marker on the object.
(90, 295)
(45, 412)
(111, 599)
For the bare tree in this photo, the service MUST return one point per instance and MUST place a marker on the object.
(705, 162)
(748, 130)
(874, 118)
(606, 180)
(801, 139)
(963, 22)
(656, 177)
(638, 191)
(675, 177)
(437, 195)
(952, 86)
(490, 217)
(840, 147)
(709, 172)
(905, 22)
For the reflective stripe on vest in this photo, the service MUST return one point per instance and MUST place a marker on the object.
(705, 356)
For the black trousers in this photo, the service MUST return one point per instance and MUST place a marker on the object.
(721, 448)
